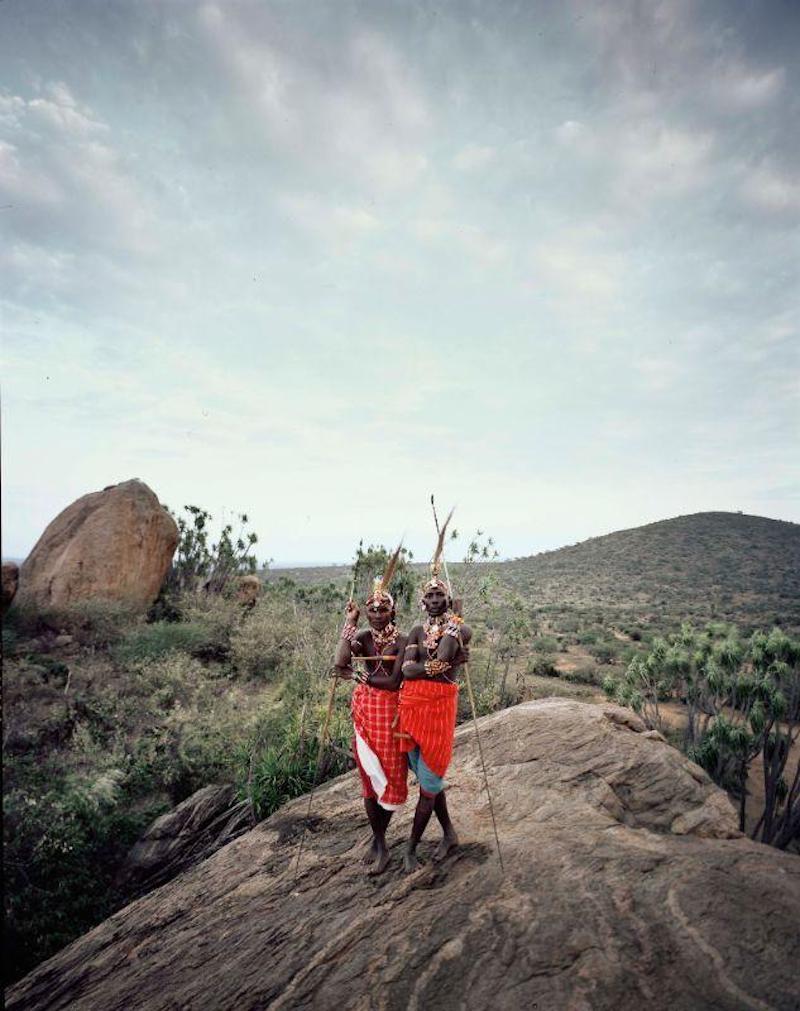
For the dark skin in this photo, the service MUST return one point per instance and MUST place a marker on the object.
(454, 651)
(376, 674)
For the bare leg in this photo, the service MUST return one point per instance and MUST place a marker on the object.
(378, 820)
(422, 816)
(449, 839)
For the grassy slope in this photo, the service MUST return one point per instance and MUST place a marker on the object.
(725, 566)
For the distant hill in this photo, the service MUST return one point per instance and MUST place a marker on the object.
(713, 565)
(706, 566)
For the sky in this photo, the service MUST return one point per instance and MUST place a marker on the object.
(315, 261)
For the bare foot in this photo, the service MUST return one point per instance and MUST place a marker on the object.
(448, 843)
(410, 862)
(372, 853)
(382, 864)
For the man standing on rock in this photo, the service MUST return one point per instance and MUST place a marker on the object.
(381, 763)
(428, 705)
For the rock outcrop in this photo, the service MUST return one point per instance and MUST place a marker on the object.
(10, 581)
(191, 832)
(247, 590)
(626, 885)
(115, 544)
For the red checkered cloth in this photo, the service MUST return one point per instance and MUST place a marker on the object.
(382, 764)
(428, 716)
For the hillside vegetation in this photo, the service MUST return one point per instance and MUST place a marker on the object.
(711, 566)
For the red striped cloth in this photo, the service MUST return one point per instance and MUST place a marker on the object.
(374, 711)
(428, 714)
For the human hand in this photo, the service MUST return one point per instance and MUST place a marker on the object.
(352, 613)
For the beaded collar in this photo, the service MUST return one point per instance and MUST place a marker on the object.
(443, 624)
(388, 637)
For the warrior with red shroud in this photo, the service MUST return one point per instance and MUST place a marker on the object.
(382, 764)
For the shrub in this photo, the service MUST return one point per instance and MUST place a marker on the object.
(585, 675)
(62, 847)
(283, 758)
(261, 643)
(149, 642)
(544, 666)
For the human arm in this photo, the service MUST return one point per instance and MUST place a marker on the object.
(410, 663)
(390, 680)
(348, 645)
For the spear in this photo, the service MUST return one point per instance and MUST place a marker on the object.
(324, 735)
(472, 707)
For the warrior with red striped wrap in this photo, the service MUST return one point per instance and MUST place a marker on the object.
(382, 765)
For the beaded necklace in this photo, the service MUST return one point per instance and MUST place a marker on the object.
(387, 637)
(435, 628)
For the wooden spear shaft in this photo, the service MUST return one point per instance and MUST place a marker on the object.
(471, 694)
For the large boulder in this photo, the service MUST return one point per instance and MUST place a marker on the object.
(184, 836)
(115, 544)
(626, 885)
(10, 581)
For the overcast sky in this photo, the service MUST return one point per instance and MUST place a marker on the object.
(315, 261)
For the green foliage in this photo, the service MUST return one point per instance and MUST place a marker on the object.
(62, 843)
(197, 565)
(371, 564)
(259, 645)
(284, 759)
(743, 699)
(149, 642)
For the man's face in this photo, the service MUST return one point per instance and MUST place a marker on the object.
(435, 601)
(379, 614)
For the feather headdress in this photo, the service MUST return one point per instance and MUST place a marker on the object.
(436, 562)
(380, 589)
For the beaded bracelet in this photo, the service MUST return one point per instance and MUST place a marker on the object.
(435, 667)
(349, 632)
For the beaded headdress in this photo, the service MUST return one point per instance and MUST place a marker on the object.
(435, 582)
(380, 588)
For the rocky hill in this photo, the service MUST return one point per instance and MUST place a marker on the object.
(625, 883)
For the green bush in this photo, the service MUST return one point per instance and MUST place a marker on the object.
(544, 667)
(282, 759)
(586, 675)
(150, 642)
(261, 644)
(545, 644)
(62, 845)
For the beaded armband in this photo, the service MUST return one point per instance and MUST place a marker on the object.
(349, 632)
(452, 626)
(435, 667)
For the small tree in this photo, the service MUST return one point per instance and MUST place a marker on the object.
(195, 565)
(371, 564)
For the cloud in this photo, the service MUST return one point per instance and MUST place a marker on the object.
(336, 225)
(474, 157)
(737, 87)
(359, 113)
(68, 184)
(769, 189)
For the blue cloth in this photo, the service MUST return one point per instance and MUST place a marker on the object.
(429, 782)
